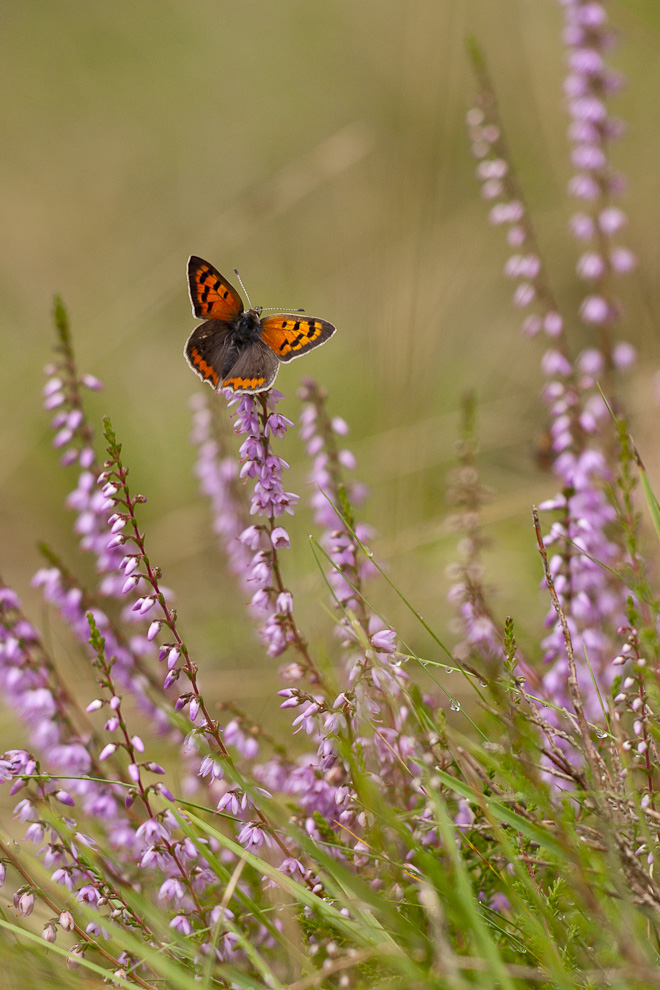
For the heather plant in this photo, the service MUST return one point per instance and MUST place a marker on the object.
(399, 836)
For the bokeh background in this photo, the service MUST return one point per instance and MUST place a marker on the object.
(321, 149)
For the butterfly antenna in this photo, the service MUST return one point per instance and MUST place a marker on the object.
(243, 287)
(282, 309)
(262, 308)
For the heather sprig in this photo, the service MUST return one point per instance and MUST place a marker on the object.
(159, 849)
(272, 601)
(137, 568)
(62, 921)
(586, 552)
(62, 393)
(483, 640)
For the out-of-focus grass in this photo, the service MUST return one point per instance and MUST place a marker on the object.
(320, 148)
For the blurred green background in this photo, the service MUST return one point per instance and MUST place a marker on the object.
(320, 148)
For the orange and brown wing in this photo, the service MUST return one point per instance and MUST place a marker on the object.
(211, 351)
(290, 337)
(254, 370)
(211, 295)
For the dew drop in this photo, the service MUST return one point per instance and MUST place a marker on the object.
(455, 705)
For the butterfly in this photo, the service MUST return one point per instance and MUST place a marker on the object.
(236, 348)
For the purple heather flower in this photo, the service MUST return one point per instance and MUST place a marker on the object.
(253, 836)
(24, 903)
(384, 640)
(172, 890)
(181, 923)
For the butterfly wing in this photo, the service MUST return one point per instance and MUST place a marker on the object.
(211, 295)
(290, 337)
(211, 351)
(254, 370)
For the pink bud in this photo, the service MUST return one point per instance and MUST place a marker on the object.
(89, 381)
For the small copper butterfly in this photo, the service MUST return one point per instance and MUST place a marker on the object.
(235, 348)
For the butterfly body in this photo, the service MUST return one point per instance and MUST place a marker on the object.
(236, 348)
